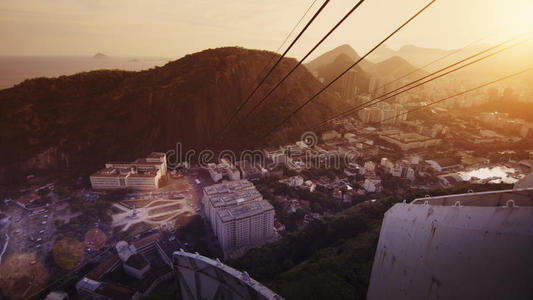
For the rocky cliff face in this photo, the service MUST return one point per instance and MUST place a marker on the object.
(81, 121)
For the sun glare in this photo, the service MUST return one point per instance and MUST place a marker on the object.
(517, 17)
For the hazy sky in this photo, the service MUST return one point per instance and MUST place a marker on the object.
(174, 28)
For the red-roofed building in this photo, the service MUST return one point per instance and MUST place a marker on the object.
(279, 227)
(24, 201)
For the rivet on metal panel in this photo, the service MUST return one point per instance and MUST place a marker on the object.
(457, 204)
(245, 276)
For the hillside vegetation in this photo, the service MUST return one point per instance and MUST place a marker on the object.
(81, 121)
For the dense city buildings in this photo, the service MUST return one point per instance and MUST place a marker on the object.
(143, 173)
(383, 114)
(375, 86)
(349, 85)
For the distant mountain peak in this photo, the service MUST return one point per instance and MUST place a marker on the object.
(408, 46)
(411, 47)
(100, 55)
(395, 59)
(330, 56)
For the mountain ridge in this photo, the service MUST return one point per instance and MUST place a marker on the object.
(330, 56)
(83, 120)
(335, 61)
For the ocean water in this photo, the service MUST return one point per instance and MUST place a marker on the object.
(15, 69)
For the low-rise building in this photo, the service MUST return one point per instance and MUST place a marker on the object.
(370, 166)
(408, 141)
(308, 218)
(294, 181)
(92, 289)
(372, 185)
(131, 271)
(224, 169)
(26, 200)
(279, 227)
(249, 171)
(143, 173)
(444, 164)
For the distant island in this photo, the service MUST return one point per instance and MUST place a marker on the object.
(100, 56)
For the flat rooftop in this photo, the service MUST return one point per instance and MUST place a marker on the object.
(231, 192)
(410, 137)
(147, 173)
(156, 155)
(137, 261)
(447, 161)
(244, 211)
(520, 197)
(112, 291)
(107, 172)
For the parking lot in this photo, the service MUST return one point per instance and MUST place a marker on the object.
(168, 208)
(30, 230)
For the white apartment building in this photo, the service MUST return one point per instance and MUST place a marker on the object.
(348, 84)
(143, 173)
(246, 224)
(370, 166)
(238, 214)
(224, 168)
(371, 184)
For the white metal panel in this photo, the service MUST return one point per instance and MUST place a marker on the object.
(448, 252)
